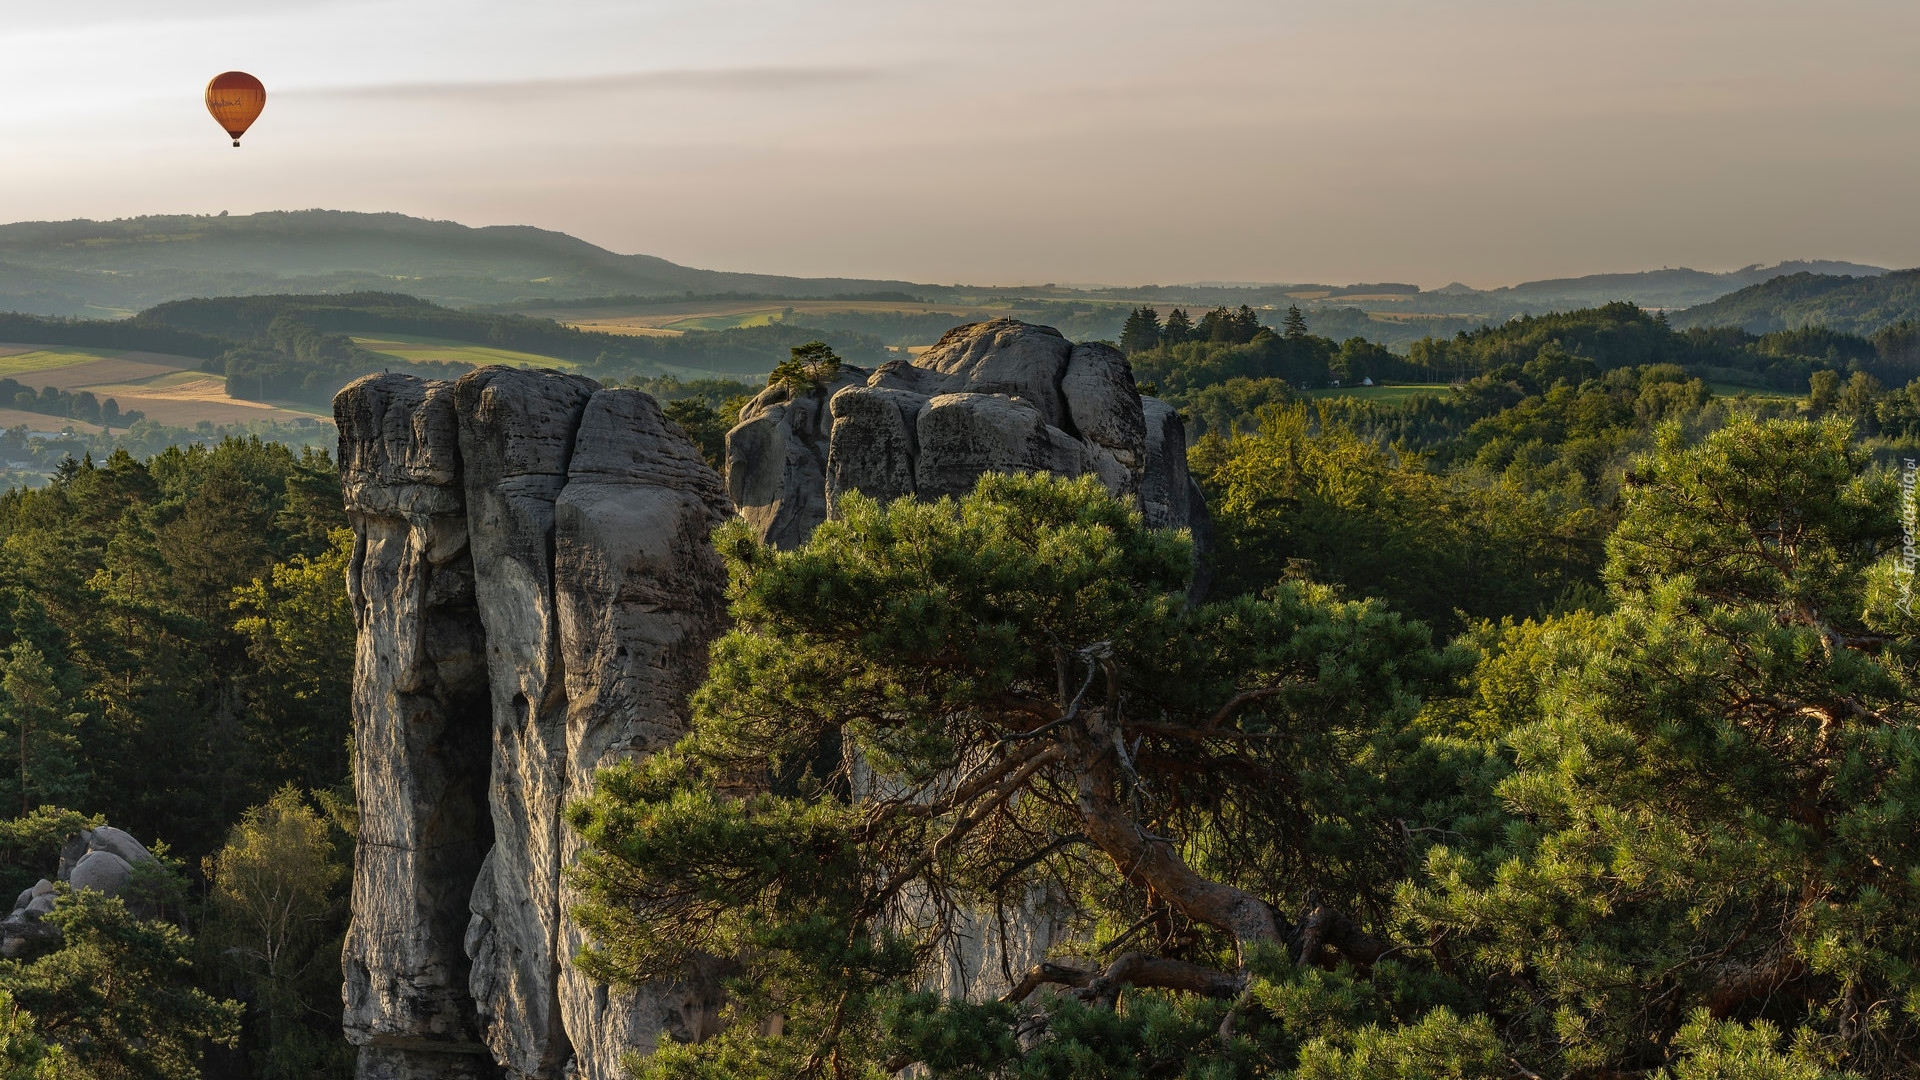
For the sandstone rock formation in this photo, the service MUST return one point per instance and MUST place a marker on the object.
(992, 396)
(535, 591)
(102, 859)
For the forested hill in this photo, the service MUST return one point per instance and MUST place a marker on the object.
(304, 348)
(1857, 305)
(1224, 363)
(112, 267)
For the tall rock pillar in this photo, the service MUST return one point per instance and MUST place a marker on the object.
(536, 590)
(516, 436)
(421, 734)
(640, 593)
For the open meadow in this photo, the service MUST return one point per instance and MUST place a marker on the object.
(168, 389)
(1387, 395)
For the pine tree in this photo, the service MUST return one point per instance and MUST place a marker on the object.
(1179, 328)
(45, 736)
(813, 364)
(1246, 323)
(1036, 710)
(1295, 326)
(118, 996)
(1142, 330)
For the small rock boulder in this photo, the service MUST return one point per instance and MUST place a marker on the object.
(101, 859)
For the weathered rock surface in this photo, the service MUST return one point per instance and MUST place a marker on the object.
(777, 459)
(516, 436)
(101, 859)
(639, 593)
(993, 396)
(421, 733)
(535, 592)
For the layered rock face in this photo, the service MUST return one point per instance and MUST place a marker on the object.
(535, 592)
(994, 396)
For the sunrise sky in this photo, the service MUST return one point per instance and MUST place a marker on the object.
(1012, 142)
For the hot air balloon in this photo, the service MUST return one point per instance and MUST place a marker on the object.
(235, 99)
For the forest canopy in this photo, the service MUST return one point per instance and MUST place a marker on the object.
(1668, 832)
(1553, 722)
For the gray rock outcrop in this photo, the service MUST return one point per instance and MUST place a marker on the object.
(777, 459)
(535, 592)
(101, 859)
(994, 396)
(535, 589)
(421, 733)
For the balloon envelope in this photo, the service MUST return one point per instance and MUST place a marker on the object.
(235, 99)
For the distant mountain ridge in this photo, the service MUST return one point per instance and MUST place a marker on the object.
(108, 268)
(101, 267)
(1666, 289)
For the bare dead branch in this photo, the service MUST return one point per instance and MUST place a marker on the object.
(1104, 986)
(960, 796)
(1239, 701)
(959, 830)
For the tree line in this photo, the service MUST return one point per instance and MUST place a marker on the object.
(69, 405)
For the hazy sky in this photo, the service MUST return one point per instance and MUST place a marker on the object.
(1004, 141)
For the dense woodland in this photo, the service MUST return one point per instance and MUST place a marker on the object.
(1558, 722)
(1858, 305)
(177, 651)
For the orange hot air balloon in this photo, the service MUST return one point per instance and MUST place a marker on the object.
(235, 99)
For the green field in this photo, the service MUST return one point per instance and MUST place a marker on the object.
(167, 389)
(413, 349)
(53, 358)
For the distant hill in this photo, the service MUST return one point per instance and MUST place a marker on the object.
(1412, 313)
(117, 267)
(303, 348)
(1673, 288)
(1854, 305)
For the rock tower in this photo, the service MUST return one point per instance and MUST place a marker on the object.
(535, 590)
